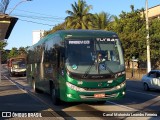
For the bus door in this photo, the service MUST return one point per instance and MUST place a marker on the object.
(61, 59)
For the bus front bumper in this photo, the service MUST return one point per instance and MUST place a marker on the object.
(99, 95)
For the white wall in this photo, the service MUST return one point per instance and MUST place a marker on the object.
(37, 35)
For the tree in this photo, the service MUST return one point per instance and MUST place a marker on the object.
(79, 17)
(131, 30)
(55, 28)
(13, 52)
(155, 42)
(4, 56)
(102, 19)
(22, 51)
(2, 45)
(132, 8)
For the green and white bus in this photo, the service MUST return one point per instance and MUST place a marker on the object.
(78, 65)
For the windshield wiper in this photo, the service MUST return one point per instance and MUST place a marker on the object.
(87, 71)
(109, 70)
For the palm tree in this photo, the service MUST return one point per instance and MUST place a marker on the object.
(79, 17)
(102, 20)
(132, 8)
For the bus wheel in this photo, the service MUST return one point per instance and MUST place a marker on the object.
(55, 99)
(34, 87)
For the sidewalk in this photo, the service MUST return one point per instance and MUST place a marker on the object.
(7, 87)
(14, 97)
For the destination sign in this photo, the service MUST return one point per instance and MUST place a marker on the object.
(79, 42)
(106, 39)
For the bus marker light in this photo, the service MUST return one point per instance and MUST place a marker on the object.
(80, 82)
(110, 81)
(69, 35)
(69, 95)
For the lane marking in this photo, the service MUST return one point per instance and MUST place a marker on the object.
(123, 106)
(144, 93)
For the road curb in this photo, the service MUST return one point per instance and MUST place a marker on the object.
(29, 91)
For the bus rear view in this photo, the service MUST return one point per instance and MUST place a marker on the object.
(17, 66)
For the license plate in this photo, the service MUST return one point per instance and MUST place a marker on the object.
(101, 95)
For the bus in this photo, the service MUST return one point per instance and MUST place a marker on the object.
(78, 66)
(16, 66)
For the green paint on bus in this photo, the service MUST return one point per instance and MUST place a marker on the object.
(78, 65)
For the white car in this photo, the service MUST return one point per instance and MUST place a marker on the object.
(151, 80)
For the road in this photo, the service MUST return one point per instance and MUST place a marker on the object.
(137, 104)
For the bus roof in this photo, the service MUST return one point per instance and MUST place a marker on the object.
(78, 33)
(86, 33)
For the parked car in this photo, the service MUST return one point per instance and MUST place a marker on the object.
(151, 80)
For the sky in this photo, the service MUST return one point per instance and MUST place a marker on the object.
(45, 14)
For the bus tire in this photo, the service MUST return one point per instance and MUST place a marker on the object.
(55, 99)
(34, 87)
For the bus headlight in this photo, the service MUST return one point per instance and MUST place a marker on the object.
(118, 87)
(121, 85)
(73, 87)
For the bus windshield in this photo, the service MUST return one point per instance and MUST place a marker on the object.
(18, 64)
(102, 55)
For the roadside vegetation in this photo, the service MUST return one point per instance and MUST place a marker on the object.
(130, 26)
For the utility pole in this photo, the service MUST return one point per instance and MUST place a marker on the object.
(147, 41)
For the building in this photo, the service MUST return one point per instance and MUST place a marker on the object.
(154, 12)
(37, 35)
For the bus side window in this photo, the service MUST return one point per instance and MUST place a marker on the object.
(62, 56)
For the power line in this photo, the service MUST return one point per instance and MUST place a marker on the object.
(46, 15)
(37, 22)
(40, 18)
(43, 17)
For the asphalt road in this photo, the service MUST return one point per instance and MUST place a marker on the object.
(16, 102)
(137, 104)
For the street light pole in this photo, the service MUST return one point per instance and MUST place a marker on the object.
(17, 5)
(147, 41)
